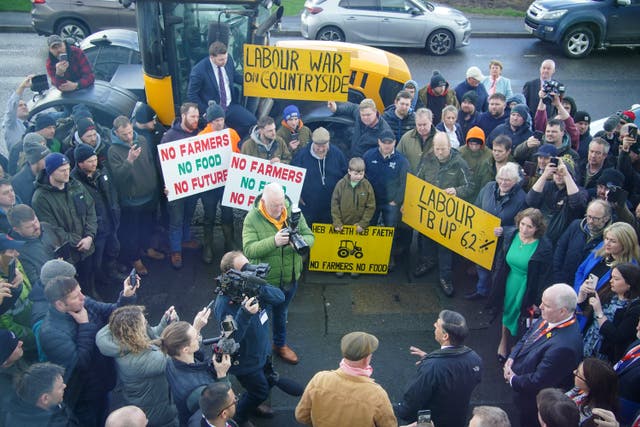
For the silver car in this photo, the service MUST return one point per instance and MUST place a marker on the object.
(406, 23)
(78, 18)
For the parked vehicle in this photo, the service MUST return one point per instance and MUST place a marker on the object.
(77, 19)
(579, 26)
(407, 23)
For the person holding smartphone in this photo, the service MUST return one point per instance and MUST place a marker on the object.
(67, 66)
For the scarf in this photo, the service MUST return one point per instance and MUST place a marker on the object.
(356, 372)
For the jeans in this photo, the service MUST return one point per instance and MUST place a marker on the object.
(180, 215)
(484, 281)
(390, 215)
(429, 247)
(257, 390)
(107, 248)
(210, 200)
(279, 316)
(135, 231)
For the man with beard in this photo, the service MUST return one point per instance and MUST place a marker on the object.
(580, 237)
(263, 142)
(67, 66)
(468, 115)
(518, 128)
(495, 115)
(399, 116)
(436, 95)
(181, 210)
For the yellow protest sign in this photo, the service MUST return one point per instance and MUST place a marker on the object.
(350, 252)
(280, 72)
(450, 221)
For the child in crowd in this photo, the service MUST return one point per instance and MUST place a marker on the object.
(293, 131)
(353, 201)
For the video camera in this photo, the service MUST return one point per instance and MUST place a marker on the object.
(224, 344)
(296, 240)
(552, 87)
(240, 284)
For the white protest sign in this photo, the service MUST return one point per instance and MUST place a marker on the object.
(196, 164)
(249, 175)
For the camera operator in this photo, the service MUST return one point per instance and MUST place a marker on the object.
(188, 372)
(267, 237)
(252, 334)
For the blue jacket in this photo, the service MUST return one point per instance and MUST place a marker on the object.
(505, 207)
(482, 104)
(387, 176)
(518, 136)
(399, 126)
(444, 382)
(319, 182)
(252, 334)
(572, 248)
(488, 123)
(364, 137)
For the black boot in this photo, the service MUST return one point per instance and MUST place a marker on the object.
(229, 239)
(207, 248)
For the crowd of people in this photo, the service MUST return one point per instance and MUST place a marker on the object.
(82, 204)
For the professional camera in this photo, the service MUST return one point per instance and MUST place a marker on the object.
(240, 284)
(616, 194)
(552, 87)
(295, 238)
(224, 344)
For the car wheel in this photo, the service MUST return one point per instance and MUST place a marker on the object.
(440, 42)
(331, 33)
(578, 42)
(70, 28)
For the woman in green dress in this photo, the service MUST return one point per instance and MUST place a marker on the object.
(523, 271)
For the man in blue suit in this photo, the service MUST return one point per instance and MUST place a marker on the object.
(547, 354)
(204, 86)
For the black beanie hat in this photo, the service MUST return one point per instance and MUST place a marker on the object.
(83, 152)
(437, 80)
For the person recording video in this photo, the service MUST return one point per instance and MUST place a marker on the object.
(246, 297)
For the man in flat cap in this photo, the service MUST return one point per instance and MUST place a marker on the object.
(347, 396)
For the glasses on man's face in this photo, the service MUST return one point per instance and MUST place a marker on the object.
(577, 375)
(235, 402)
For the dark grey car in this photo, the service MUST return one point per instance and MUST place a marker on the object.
(79, 18)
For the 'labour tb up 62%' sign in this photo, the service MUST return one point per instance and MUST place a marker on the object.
(455, 224)
(196, 164)
(249, 175)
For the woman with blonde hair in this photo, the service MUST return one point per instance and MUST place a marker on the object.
(620, 245)
(140, 364)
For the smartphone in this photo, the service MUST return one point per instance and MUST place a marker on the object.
(11, 271)
(554, 161)
(538, 135)
(133, 279)
(63, 57)
(530, 168)
(633, 132)
(294, 136)
(63, 251)
(424, 418)
(593, 280)
(211, 304)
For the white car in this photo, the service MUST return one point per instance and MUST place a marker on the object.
(405, 23)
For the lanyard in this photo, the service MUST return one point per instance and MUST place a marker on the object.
(547, 330)
(628, 358)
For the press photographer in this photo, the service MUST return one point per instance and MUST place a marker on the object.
(245, 297)
(268, 232)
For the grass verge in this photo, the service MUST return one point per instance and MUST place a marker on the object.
(15, 6)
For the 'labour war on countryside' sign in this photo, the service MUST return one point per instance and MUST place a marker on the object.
(196, 164)
(249, 175)
(349, 252)
(279, 72)
(450, 221)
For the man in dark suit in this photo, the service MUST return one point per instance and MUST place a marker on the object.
(547, 354)
(204, 86)
(628, 370)
(532, 87)
(217, 406)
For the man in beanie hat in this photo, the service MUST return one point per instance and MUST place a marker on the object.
(211, 199)
(369, 125)
(131, 159)
(478, 158)
(446, 377)
(517, 128)
(35, 151)
(473, 83)
(325, 165)
(582, 119)
(468, 116)
(347, 396)
(98, 183)
(45, 131)
(87, 133)
(627, 117)
(400, 117)
(67, 66)
(145, 124)
(292, 131)
(558, 196)
(214, 79)
(436, 95)
(63, 202)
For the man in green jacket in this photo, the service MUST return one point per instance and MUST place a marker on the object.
(265, 239)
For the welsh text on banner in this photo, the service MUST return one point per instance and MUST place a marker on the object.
(196, 164)
(450, 221)
(350, 252)
(249, 175)
(280, 72)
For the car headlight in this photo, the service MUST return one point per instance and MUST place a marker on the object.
(462, 22)
(552, 14)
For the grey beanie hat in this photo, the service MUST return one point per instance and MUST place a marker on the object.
(54, 268)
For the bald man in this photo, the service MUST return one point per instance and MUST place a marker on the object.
(127, 416)
(265, 239)
(532, 87)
